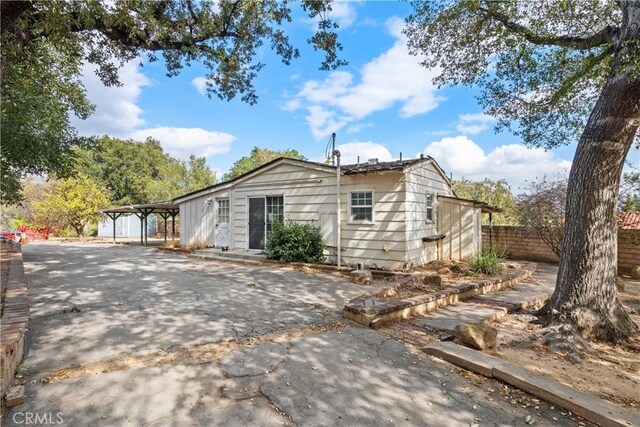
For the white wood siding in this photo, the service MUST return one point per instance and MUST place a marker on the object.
(461, 222)
(422, 179)
(393, 240)
(382, 243)
(197, 218)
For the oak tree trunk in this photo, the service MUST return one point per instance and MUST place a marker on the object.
(585, 296)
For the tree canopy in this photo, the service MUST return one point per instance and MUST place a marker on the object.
(71, 202)
(258, 157)
(496, 193)
(141, 172)
(44, 45)
(540, 65)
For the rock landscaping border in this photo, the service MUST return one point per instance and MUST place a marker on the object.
(15, 319)
(374, 311)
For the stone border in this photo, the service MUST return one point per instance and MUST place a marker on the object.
(15, 319)
(593, 409)
(373, 311)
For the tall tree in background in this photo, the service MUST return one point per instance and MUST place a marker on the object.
(558, 71)
(71, 202)
(44, 45)
(258, 157)
(199, 175)
(141, 172)
(496, 193)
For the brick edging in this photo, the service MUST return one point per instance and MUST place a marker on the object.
(373, 311)
(15, 319)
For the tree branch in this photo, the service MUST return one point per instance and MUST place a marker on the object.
(607, 35)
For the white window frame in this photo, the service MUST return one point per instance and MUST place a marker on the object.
(228, 209)
(430, 207)
(373, 203)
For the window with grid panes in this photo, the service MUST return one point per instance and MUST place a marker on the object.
(362, 206)
(275, 210)
(223, 211)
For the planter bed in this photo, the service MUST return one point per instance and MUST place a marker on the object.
(379, 309)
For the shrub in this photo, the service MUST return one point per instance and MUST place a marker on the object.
(488, 262)
(293, 242)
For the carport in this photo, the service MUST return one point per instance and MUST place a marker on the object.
(165, 210)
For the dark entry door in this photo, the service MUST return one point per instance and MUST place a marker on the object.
(256, 222)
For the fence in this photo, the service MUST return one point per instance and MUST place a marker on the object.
(525, 243)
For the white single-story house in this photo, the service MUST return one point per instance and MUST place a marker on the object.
(127, 225)
(395, 215)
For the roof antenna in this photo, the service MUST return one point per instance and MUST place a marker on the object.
(401, 156)
(331, 148)
(358, 161)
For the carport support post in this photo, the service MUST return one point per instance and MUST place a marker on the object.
(114, 216)
(165, 217)
(490, 230)
(141, 216)
(173, 224)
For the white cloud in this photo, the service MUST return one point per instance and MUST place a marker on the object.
(366, 150)
(117, 114)
(472, 124)
(200, 83)
(116, 110)
(513, 162)
(392, 78)
(181, 142)
(343, 13)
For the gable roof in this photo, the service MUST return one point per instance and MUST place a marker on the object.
(352, 169)
(246, 175)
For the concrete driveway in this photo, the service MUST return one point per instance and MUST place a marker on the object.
(125, 335)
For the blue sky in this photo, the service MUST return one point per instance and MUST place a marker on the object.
(381, 104)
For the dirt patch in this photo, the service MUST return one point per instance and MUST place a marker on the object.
(185, 354)
(437, 276)
(610, 372)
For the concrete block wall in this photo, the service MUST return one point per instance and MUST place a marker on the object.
(525, 243)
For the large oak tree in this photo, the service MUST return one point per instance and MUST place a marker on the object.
(555, 71)
(45, 44)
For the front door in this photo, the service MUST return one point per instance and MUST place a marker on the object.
(256, 222)
(222, 233)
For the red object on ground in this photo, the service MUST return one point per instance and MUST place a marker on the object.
(34, 233)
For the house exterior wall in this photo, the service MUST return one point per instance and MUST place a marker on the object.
(381, 243)
(422, 179)
(197, 219)
(461, 222)
(127, 225)
(392, 240)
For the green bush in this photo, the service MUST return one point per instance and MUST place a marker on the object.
(293, 242)
(488, 262)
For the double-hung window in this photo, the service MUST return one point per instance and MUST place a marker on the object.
(431, 207)
(361, 206)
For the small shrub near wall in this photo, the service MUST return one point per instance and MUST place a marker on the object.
(293, 242)
(488, 262)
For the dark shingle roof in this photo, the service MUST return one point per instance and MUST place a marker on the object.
(367, 167)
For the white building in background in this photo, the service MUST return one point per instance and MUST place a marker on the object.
(127, 225)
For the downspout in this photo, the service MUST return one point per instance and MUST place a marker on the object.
(336, 153)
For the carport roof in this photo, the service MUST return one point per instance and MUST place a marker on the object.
(484, 207)
(161, 207)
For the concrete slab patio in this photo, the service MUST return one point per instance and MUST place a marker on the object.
(130, 336)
